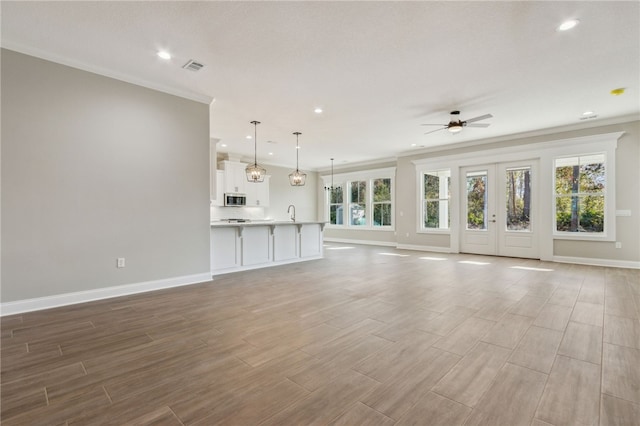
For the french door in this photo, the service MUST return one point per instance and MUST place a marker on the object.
(499, 209)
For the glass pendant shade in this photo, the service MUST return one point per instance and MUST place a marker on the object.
(297, 178)
(254, 172)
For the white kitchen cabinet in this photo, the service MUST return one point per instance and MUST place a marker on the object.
(258, 193)
(213, 176)
(235, 178)
(219, 194)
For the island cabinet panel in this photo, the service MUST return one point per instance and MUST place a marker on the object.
(225, 249)
(241, 246)
(311, 240)
(285, 243)
(256, 245)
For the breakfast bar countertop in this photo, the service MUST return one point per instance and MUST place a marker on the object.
(226, 223)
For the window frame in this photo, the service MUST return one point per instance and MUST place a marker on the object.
(608, 231)
(423, 201)
(345, 180)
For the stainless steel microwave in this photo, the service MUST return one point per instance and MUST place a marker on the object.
(235, 200)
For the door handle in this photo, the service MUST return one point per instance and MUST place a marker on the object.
(494, 221)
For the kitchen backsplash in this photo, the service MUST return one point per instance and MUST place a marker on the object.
(252, 213)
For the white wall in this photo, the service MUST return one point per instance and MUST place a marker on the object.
(282, 194)
(94, 169)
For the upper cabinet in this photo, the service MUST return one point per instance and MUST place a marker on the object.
(258, 193)
(235, 178)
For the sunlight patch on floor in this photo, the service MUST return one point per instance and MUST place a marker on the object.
(530, 268)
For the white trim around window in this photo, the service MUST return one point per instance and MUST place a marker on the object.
(344, 180)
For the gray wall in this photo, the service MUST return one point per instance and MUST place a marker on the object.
(627, 196)
(94, 169)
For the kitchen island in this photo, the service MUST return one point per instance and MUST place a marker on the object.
(239, 246)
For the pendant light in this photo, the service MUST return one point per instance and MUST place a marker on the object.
(330, 188)
(297, 178)
(254, 172)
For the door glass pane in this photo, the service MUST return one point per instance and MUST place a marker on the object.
(518, 199)
(477, 200)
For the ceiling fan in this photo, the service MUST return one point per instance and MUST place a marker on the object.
(455, 125)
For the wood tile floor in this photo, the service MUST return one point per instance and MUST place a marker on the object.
(368, 335)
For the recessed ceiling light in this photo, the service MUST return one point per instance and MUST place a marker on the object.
(587, 113)
(414, 144)
(224, 145)
(271, 153)
(164, 54)
(318, 110)
(567, 25)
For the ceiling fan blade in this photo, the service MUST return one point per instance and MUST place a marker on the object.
(437, 130)
(433, 124)
(482, 117)
(478, 125)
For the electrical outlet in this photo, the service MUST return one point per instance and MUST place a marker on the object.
(120, 263)
(618, 244)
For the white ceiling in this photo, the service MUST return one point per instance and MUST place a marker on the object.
(378, 69)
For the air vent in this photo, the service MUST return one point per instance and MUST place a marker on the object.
(192, 65)
(590, 117)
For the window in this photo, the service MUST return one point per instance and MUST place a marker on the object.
(382, 202)
(364, 200)
(435, 199)
(580, 191)
(358, 203)
(336, 208)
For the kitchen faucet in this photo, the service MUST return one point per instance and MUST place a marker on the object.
(292, 216)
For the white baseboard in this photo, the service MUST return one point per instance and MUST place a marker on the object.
(423, 248)
(630, 264)
(364, 242)
(37, 304)
(265, 265)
